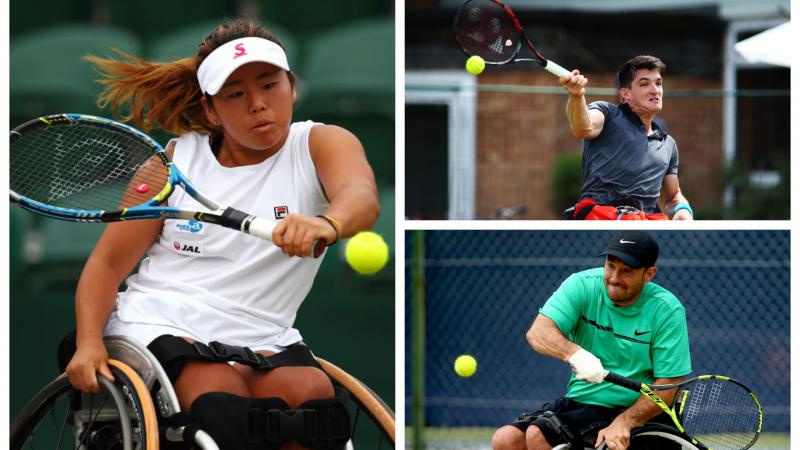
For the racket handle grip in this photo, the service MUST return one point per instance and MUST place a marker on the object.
(263, 228)
(625, 382)
(555, 69)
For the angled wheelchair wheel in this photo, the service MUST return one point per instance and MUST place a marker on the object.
(659, 437)
(373, 420)
(137, 357)
(661, 440)
(122, 416)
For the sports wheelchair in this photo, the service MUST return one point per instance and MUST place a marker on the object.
(129, 414)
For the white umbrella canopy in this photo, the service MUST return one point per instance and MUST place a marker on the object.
(773, 46)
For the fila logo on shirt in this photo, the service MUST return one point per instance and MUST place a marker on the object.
(281, 211)
(188, 248)
(240, 51)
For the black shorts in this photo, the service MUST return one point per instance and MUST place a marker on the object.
(582, 420)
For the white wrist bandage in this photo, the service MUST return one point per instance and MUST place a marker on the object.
(587, 367)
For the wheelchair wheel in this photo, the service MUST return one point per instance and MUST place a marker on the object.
(658, 437)
(120, 417)
(373, 420)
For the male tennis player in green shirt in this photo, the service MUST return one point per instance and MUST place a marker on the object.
(605, 319)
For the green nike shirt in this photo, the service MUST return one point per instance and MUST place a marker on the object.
(643, 341)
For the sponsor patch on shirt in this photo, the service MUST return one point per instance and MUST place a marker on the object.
(192, 248)
(190, 226)
(281, 211)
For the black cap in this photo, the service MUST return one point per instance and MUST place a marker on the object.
(637, 249)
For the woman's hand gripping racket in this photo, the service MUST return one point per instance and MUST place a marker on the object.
(83, 168)
(720, 413)
(489, 29)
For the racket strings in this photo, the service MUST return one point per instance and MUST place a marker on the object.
(484, 28)
(722, 414)
(85, 167)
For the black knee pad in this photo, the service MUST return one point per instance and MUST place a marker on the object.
(226, 417)
(334, 424)
(555, 431)
(244, 423)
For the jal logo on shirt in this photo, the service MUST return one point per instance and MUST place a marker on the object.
(188, 248)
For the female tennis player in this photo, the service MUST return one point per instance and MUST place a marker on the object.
(231, 104)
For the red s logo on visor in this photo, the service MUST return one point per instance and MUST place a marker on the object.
(240, 51)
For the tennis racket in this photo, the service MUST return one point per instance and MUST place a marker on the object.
(489, 29)
(83, 168)
(719, 412)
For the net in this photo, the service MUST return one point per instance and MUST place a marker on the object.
(484, 28)
(84, 166)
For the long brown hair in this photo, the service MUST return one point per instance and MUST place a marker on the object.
(167, 94)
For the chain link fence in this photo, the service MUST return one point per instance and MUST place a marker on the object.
(483, 290)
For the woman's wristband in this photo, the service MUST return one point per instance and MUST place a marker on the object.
(337, 227)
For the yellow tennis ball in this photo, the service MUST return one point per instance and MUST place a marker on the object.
(475, 65)
(466, 365)
(366, 252)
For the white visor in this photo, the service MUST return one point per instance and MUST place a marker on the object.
(221, 63)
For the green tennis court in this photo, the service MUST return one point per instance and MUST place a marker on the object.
(479, 438)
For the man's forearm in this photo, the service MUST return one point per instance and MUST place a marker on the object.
(545, 338)
(644, 409)
(578, 115)
(671, 199)
(669, 205)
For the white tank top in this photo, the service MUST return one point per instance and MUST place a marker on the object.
(219, 284)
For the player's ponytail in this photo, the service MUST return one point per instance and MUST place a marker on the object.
(156, 94)
(166, 94)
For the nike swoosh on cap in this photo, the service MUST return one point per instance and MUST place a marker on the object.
(623, 241)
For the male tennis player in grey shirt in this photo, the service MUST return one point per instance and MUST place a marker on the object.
(630, 162)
